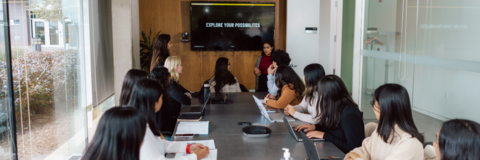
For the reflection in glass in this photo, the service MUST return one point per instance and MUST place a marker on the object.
(54, 32)
(40, 31)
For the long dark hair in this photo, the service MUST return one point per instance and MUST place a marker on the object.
(281, 57)
(313, 73)
(395, 109)
(459, 139)
(160, 50)
(271, 43)
(119, 135)
(333, 97)
(144, 96)
(286, 76)
(162, 76)
(132, 77)
(222, 74)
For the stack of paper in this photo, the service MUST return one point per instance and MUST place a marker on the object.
(200, 127)
(209, 143)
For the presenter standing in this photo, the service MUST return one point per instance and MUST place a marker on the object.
(161, 50)
(261, 66)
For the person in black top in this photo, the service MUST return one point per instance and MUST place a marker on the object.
(161, 50)
(173, 100)
(174, 66)
(340, 119)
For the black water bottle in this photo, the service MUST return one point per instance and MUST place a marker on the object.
(206, 91)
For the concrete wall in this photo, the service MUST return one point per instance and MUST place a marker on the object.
(122, 42)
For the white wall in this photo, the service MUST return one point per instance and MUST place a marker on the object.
(310, 48)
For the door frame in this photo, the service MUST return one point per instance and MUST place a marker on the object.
(337, 53)
(357, 52)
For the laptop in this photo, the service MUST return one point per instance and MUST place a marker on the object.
(309, 147)
(194, 110)
(295, 134)
(273, 117)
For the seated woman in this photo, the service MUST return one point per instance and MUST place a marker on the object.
(162, 76)
(125, 128)
(174, 97)
(340, 120)
(174, 66)
(147, 97)
(307, 110)
(223, 80)
(132, 77)
(291, 90)
(456, 139)
(396, 136)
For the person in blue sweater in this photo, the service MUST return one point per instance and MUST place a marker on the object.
(279, 58)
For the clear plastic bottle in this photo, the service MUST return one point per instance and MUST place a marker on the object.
(286, 154)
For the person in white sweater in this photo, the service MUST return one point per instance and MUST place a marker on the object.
(223, 80)
(147, 97)
(396, 137)
(307, 110)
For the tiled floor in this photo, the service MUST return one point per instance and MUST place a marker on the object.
(427, 125)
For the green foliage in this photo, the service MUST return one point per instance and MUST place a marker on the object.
(146, 50)
(42, 79)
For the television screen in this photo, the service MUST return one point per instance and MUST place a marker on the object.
(231, 26)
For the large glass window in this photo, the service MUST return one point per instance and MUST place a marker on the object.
(50, 90)
(431, 48)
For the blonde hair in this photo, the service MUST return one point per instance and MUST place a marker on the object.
(171, 64)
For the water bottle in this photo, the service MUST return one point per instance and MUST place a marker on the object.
(206, 91)
(286, 154)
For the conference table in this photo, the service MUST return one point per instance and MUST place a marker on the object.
(232, 144)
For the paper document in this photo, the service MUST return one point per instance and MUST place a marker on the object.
(209, 143)
(200, 127)
(211, 156)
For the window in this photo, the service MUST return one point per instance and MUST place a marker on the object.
(14, 22)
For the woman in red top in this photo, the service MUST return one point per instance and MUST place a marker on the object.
(261, 66)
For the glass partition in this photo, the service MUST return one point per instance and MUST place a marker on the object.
(431, 48)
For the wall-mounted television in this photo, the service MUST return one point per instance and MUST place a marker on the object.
(232, 26)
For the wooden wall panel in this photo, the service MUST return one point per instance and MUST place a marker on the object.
(173, 17)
